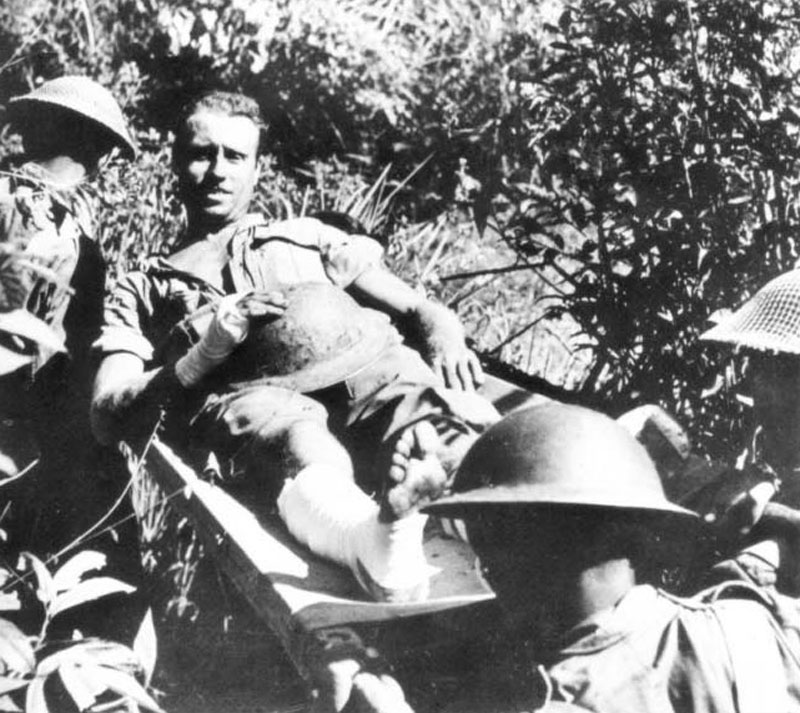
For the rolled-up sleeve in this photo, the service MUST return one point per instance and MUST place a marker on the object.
(125, 309)
(346, 257)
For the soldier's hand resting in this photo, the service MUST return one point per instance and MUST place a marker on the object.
(445, 348)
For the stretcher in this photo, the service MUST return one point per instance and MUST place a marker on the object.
(312, 605)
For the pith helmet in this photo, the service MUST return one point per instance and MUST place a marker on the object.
(556, 454)
(322, 338)
(86, 97)
(768, 321)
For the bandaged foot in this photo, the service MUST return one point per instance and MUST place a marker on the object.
(335, 519)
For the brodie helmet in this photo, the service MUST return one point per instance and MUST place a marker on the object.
(768, 321)
(323, 337)
(556, 454)
(83, 96)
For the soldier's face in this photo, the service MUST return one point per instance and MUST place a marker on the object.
(775, 388)
(532, 568)
(217, 167)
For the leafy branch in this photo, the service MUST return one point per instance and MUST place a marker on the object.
(95, 673)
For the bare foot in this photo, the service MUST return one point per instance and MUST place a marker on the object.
(416, 476)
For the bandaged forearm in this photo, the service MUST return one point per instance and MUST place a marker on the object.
(227, 330)
(334, 518)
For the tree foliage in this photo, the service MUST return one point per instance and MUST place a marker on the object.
(639, 157)
(94, 673)
(659, 181)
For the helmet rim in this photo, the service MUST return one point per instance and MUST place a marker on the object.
(531, 496)
(557, 454)
(323, 338)
(768, 321)
(84, 97)
(327, 373)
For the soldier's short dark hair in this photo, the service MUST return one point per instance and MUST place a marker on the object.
(227, 103)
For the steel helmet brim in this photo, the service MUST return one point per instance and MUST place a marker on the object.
(769, 321)
(463, 504)
(85, 97)
(557, 454)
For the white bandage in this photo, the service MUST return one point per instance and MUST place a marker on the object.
(334, 518)
(227, 330)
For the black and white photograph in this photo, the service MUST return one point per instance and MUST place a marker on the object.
(399, 356)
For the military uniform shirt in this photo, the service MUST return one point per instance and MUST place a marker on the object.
(145, 306)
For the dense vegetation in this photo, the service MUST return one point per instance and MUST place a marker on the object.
(586, 182)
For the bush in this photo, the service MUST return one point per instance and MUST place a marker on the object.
(659, 182)
(90, 671)
(600, 185)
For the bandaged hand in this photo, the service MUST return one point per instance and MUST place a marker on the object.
(227, 330)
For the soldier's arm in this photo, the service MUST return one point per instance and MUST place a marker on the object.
(127, 400)
(435, 327)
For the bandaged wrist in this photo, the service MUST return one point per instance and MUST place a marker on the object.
(227, 330)
(194, 365)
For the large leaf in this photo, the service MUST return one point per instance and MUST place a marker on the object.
(123, 684)
(145, 646)
(91, 651)
(45, 591)
(82, 688)
(7, 705)
(16, 652)
(9, 601)
(35, 701)
(77, 665)
(12, 683)
(89, 591)
(74, 570)
(50, 664)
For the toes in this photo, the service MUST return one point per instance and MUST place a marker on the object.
(399, 463)
(426, 440)
(415, 474)
(405, 444)
(403, 449)
(397, 472)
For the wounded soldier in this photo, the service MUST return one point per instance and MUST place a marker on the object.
(322, 368)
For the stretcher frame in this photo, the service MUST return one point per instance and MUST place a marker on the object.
(312, 605)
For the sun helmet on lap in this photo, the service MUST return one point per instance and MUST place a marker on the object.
(322, 338)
